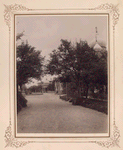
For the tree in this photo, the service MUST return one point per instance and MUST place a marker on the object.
(19, 35)
(79, 65)
(51, 86)
(29, 63)
(100, 72)
(73, 63)
(35, 88)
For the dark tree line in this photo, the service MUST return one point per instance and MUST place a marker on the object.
(79, 64)
(29, 64)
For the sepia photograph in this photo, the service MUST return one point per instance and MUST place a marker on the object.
(62, 73)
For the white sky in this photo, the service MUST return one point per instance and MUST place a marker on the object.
(45, 32)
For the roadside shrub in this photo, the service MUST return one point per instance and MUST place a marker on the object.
(21, 101)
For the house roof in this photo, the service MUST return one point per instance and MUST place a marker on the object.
(97, 47)
(99, 44)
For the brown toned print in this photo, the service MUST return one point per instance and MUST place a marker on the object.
(62, 77)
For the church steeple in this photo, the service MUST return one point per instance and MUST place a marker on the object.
(96, 34)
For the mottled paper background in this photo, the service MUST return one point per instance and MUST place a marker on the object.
(5, 70)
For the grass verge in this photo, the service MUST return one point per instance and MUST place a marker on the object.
(99, 105)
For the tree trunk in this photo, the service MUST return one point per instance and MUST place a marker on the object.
(20, 87)
(87, 91)
(66, 92)
(79, 90)
(17, 88)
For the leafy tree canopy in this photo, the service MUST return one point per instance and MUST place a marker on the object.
(73, 62)
(29, 63)
(78, 64)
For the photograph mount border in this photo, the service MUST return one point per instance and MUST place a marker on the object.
(9, 11)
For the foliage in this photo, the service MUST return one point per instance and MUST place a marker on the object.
(19, 35)
(35, 88)
(78, 64)
(21, 101)
(29, 63)
(51, 86)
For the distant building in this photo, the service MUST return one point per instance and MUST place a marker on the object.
(98, 44)
(99, 48)
(44, 86)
